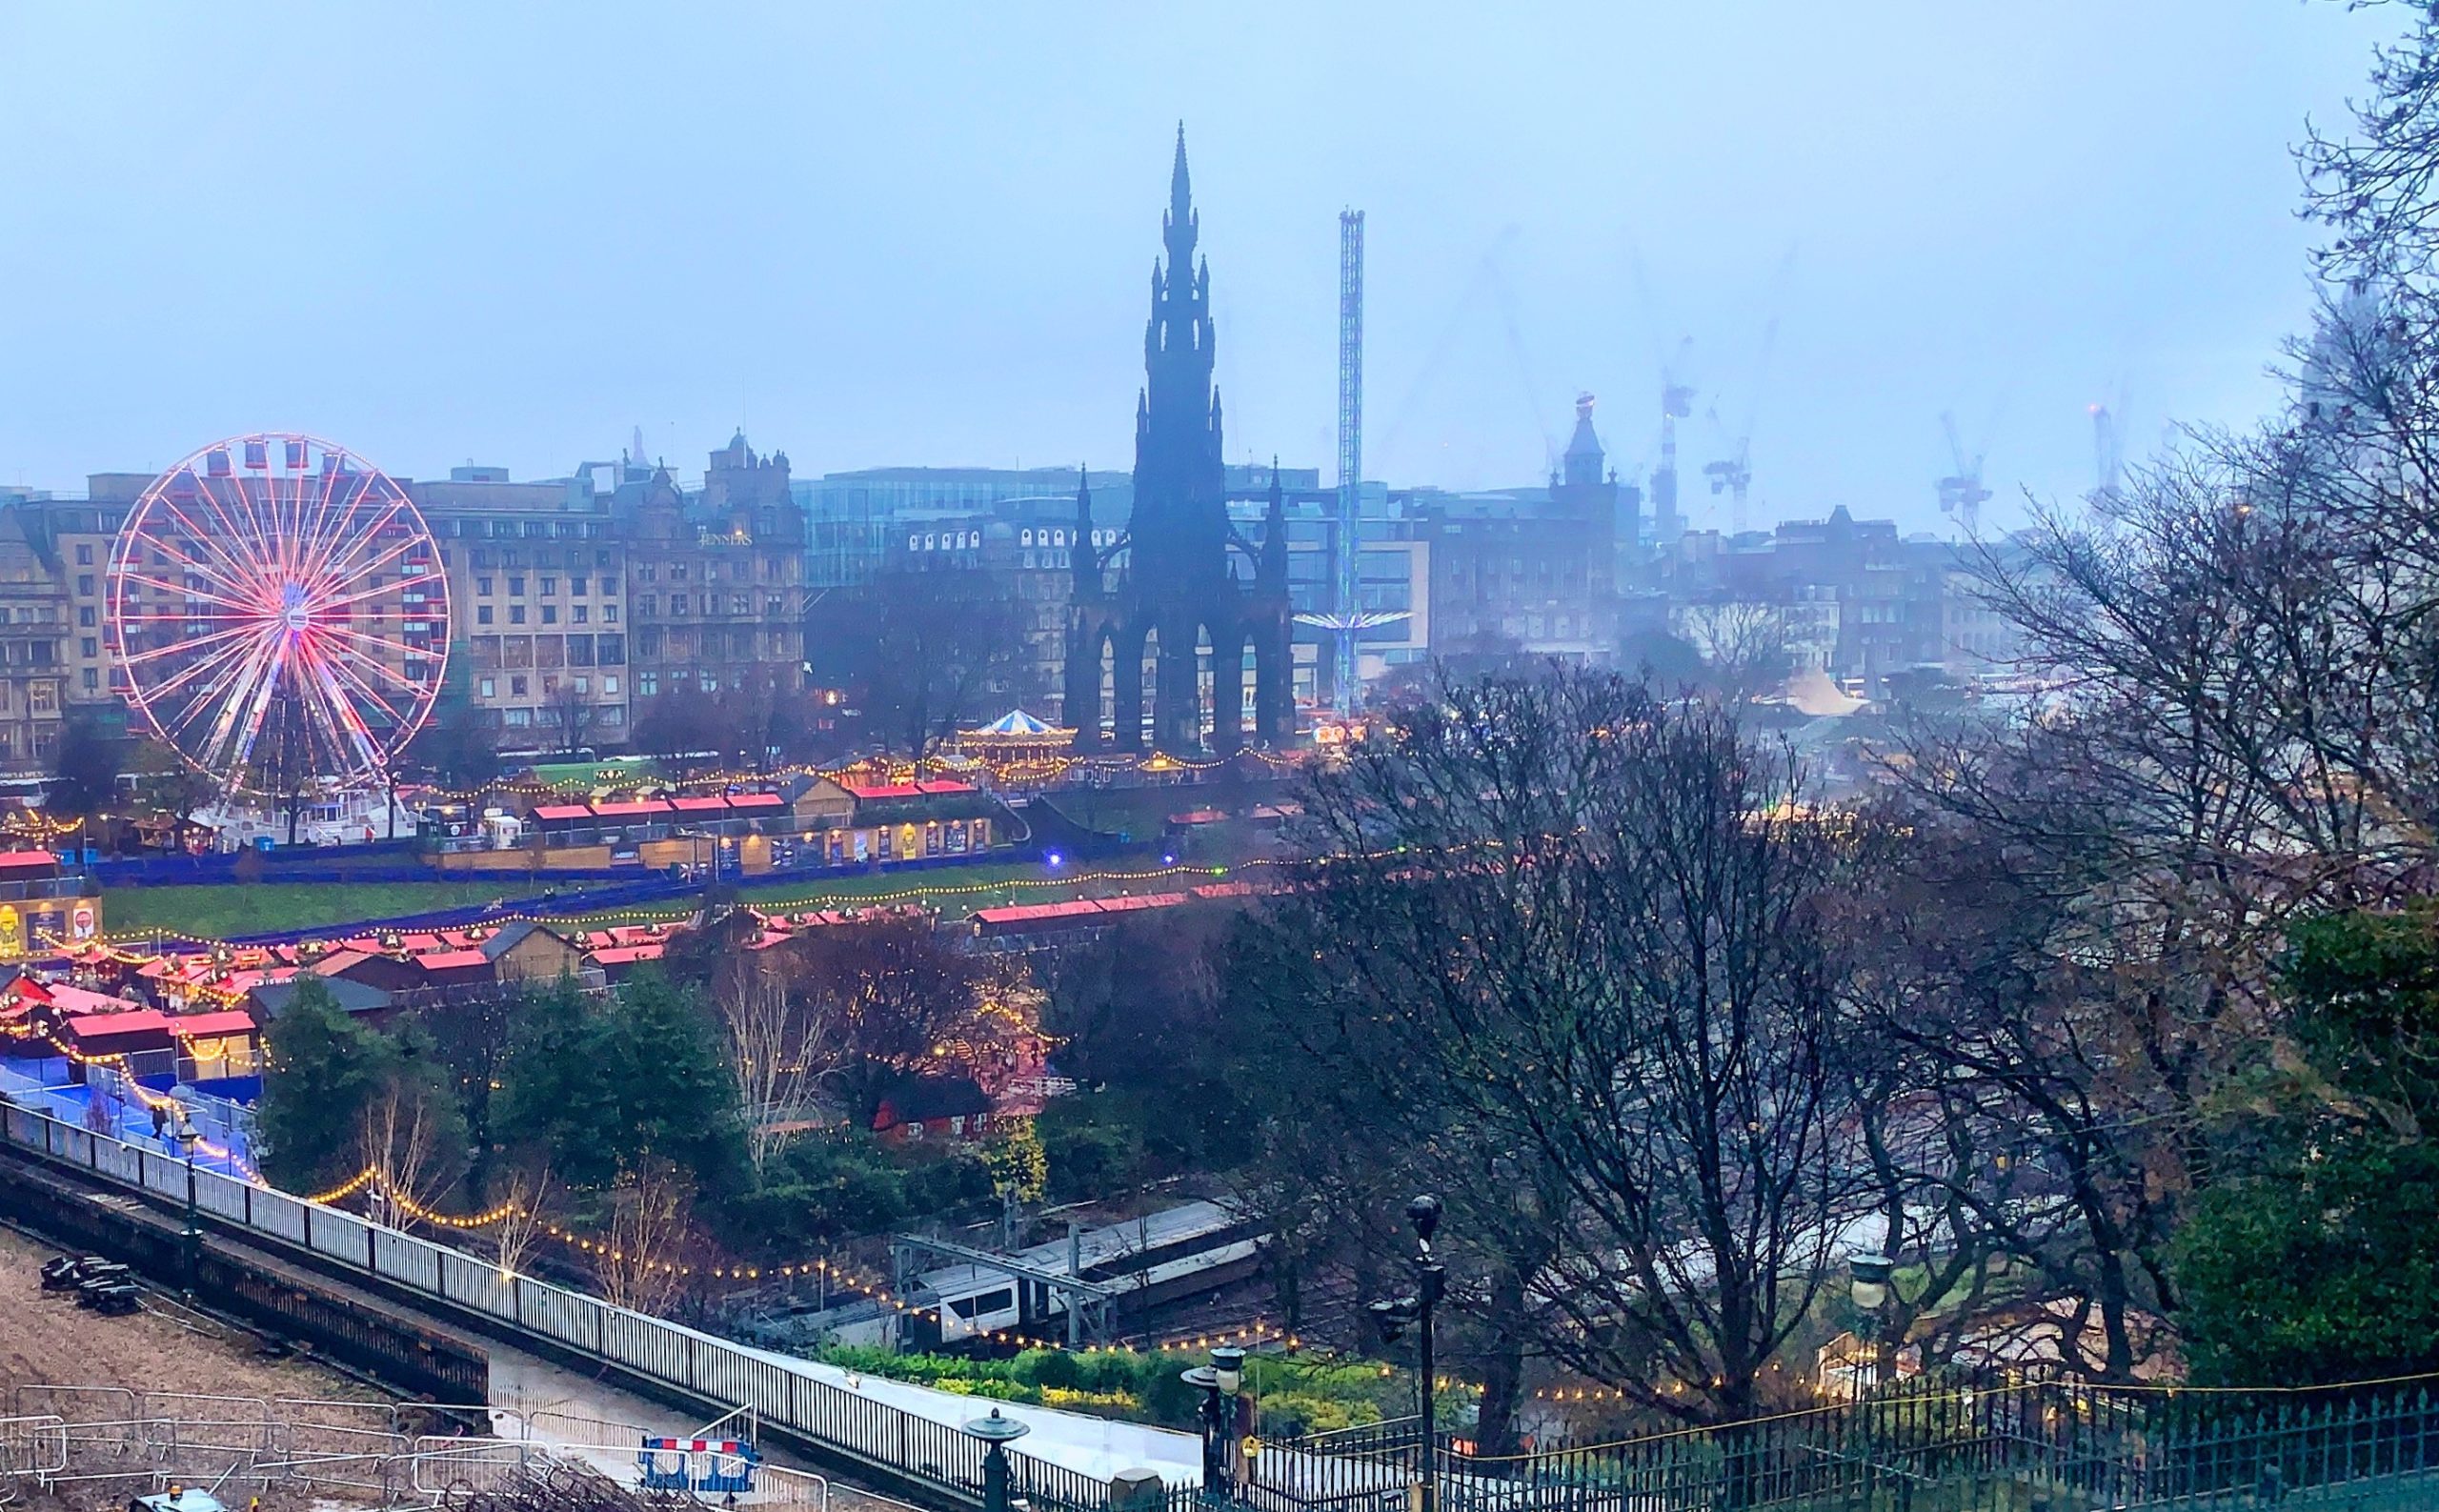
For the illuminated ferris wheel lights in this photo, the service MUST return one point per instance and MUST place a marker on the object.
(260, 617)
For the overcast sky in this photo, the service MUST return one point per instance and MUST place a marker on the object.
(921, 234)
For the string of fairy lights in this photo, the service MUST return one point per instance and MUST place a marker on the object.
(1022, 769)
(160, 1101)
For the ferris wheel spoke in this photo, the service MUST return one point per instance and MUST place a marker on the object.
(212, 671)
(327, 512)
(326, 605)
(196, 534)
(353, 656)
(349, 527)
(181, 590)
(254, 702)
(245, 539)
(317, 684)
(336, 673)
(359, 571)
(134, 658)
(360, 639)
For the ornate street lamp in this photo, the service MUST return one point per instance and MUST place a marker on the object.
(187, 1137)
(1869, 1285)
(996, 1432)
(1390, 1316)
(1219, 1382)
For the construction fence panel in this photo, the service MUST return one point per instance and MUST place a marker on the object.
(468, 1465)
(35, 1446)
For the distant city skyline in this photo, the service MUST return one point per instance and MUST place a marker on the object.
(873, 238)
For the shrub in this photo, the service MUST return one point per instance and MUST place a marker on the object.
(1050, 1367)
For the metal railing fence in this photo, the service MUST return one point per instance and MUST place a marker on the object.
(937, 1456)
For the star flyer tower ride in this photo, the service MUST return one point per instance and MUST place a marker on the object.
(1347, 619)
(278, 617)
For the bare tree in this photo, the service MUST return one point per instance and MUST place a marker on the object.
(1744, 647)
(573, 716)
(410, 1151)
(779, 1048)
(526, 1216)
(946, 641)
(640, 1261)
(1580, 932)
(898, 998)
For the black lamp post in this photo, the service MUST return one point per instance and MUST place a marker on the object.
(1391, 1315)
(1869, 1285)
(996, 1432)
(1219, 1382)
(188, 1138)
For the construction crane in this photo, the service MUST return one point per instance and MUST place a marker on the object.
(1347, 619)
(1733, 473)
(1961, 493)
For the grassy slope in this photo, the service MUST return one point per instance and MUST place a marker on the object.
(235, 908)
(215, 912)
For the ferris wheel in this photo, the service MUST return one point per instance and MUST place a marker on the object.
(278, 615)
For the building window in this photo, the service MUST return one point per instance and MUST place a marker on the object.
(647, 574)
(610, 685)
(483, 586)
(516, 585)
(85, 617)
(84, 557)
(648, 605)
(92, 681)
(482, 613)
(582, 614)
(550, 586)
(609, 613)
(516, 719)
(517, 613)
(92, 646)
(46, 698)
(488, 687)
(549, 613)
(85, 583)
(576, 586)
(516, 687)
(647, 685)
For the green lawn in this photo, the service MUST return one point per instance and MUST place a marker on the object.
(217, 912)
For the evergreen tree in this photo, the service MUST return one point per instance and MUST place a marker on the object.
(557, 1093)
(675, 1094)
(322, 1072)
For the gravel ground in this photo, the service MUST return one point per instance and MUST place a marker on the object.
(47, 1340)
